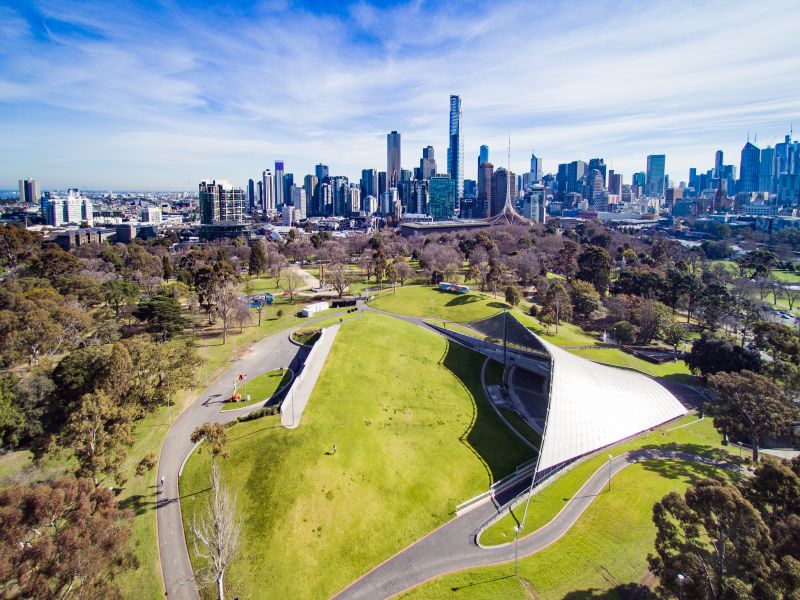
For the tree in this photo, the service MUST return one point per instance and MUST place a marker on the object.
(291, 281)
(241, 313)
(594, 266)
(404, 271)
(567, 259)
(340, 277)
(158, 371)
(216, 438)
(711, 354)
(512, 295)
(17, 244)
(258, 259)
(585, 299)
(216, 534)
(715, 539)
(715, 302)
(751, 406)
(166, 268)
(673, 333)
(224, 300)
(97, 430)
(557, 306)
(63, 539)
(791, 293)
(119, 293)
(11, 418)
(625, 332)
(163, 316)
(651, 316)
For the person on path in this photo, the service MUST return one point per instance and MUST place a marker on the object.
(334, 448)
(161, 484)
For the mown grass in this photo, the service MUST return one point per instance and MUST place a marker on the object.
(615, 356)
(391, 396)
(260, 388)
(698, 436)
(603, 554)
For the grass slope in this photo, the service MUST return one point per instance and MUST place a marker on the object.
(260, 388)
(697, 436)
(605, 549)
(415, 437)
(428, 301)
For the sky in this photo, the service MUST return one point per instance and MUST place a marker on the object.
(158, 95)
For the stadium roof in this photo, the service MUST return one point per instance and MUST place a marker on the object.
(592, 406)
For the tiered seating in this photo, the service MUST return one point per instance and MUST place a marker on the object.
(531, 390)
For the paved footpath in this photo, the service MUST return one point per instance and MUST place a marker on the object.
(269, 353)
(453, 546)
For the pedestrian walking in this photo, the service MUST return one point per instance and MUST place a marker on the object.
(334, 448)
(162, 482)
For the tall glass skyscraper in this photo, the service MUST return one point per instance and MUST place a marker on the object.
(393, 161)
(442, 197)
(455, 152)
(656, 169)
(749, 168)
(483, 156)
(278, 198)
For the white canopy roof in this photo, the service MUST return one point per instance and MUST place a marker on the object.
(593, 405)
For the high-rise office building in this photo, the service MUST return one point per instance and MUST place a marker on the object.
(288, 184)
(749, 168)
(220, 202)
(484, 203)
(393, 160)
(442, 197)
(354, 204)
(536, 168)
(29, 191)
(504, 189)
(325, 199)
(251, 195)
(268, 191)
(455, 152)
(383, 183)
(259, 195)
(483, 156)
(299, 202)
(594, 186)
(575, 173)
(278, 186)
(427, 164)
(340, 189)
(369, 183)
(656, 170)
(614, 182)
(768, 172)
(718, 158)
(310, 184)
(321, 171)
(598, 164)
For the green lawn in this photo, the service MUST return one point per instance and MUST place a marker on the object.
(615, 356)
(260, 388)
(568, 334)
(699, 436)
(391, 396)
(428, 301)
(787, 276)
(607, 548)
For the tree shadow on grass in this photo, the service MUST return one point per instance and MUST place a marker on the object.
(500, 305)
(624, 591)
(487, 436)
(476, 583)
(685, 461)
(462, 300)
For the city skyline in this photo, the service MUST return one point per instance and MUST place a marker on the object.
(102, 97)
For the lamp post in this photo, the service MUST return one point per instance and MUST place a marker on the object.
(610, 456)
(516, 553)
(681, 578)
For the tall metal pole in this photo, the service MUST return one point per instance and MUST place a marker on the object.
(610, 456)
(516, 552)
(505, 342)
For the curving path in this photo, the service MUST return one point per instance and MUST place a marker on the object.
(454, 547)
(269, 353)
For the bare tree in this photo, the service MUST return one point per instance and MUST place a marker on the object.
(241, 313)
(791, 293)
(291, 281)
(216, 535)
(340, 277)
(224, 301)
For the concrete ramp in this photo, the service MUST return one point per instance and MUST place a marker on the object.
(298, 394)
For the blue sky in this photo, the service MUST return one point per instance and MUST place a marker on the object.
(158, 95)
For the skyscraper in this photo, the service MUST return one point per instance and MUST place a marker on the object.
(288, 184)
(321, 171)
(310, 184)
(484, 205)
(575, 172)
(536, 168)
(251, 195)
(369, 183)
(504, 189)
(393, 161)
(600, 165)
(442, 197)
(656, 169)
(455, 152)
(767, 174)
(718, 158)
(278, 197)
(268, 191)
(749, 168)
(427, 164)
(29, 191)
(483, 156)
(382, 183)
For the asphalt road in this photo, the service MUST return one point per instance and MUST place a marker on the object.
(453, 546)
(270, 353)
